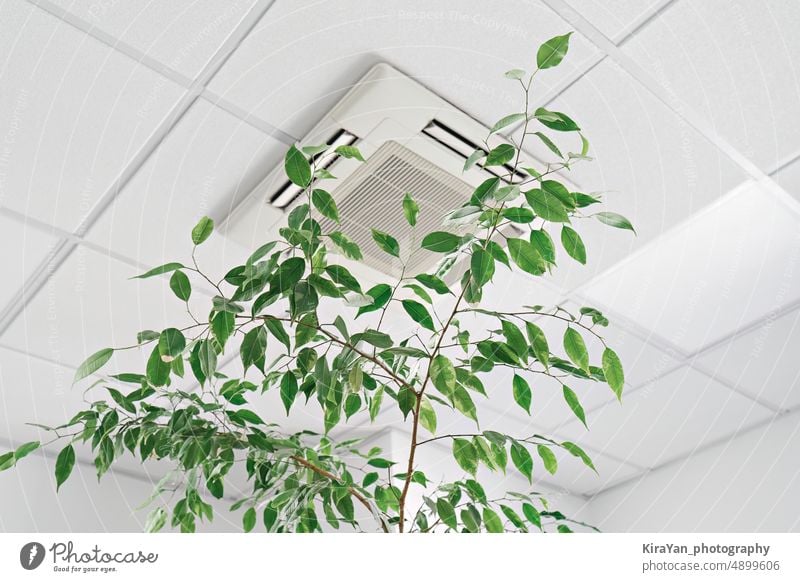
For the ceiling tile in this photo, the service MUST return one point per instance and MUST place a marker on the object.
(182, 34)
(789, 178)
(31, 247)
(647, 164)
(90, 304)
(614, 17)
(667, 419)
(736, 65)
(73, 112)
(209, 161)
(762, 362)
(720, 270)
(304, 55)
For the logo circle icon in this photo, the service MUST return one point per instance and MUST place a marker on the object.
(31, 555)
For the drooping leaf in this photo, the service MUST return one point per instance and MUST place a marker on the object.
(473, 158)
(427, 415)
(543, 243)
(93, 363)
(576, 451)
(433, 282)
(324, 202)
(522, 459)
(492, 521)
(297, 168)
(171, 344)
(410, 209)
(612, 369)
(526, 257)
(288, 390)
(552, 52)
(482, 266)
(548, 458)
(573, 244)
(350, 249)
(538, 342)
(574, 404)
(549, 143)
(253, 347)
(522, 392)
(418, 313)
(555, 120)
(443, 375)
(202, 230)
(465, 455)
(506, 121)
(446, 513)
(180, 285)
(576, 349)
(64, 464)
(249, 520)
(380, 293)
(406, 400)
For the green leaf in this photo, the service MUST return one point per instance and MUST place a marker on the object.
(576, 451)
(379, 463)
(615, 220)
(222, 326)
(386, 242)
(208, 358)
(576, 349)
(418, 313)
(482, 266)
(500, 155)
(433, 282)
(157, 369)
(7, 461)
(64, 464)
(514, 74)
(156, 520)
(542, 242)
(253, 348)
(180, 285)
(375, 404)
(492, 521)
(406, 400)
(122, 400)
(289, 273)
(506, 121)
(575, 404)
(171, 344)
(202, 230)
(446, 513)
(526, 257)
(276, 328)
(324, 202)
(555, 120)
(473, 158)
(463, 403)
(225, 304)
(350, 249)
(92, 364)
(518, 215)
(532, 514)
(288, 390)
(297, 168)
(249, 520)
(549, 143)
(522, 460)
(549, 459)
(25, 449)
(443, 375)
(573, 244)
(546, 205)
(410, 209)
(341, 276)
(553, 51)
(380, 293)
(160, 270)
(522, 392)
(538, 342)
(350, 152)
(441, 242)
(465, 455)
(612, 369)
(427, 415)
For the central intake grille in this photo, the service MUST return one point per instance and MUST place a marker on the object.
(371, 197)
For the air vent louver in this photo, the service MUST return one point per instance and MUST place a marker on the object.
(371, 197)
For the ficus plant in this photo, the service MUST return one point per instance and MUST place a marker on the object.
(274, 310)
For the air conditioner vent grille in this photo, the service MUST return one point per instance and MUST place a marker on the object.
(371, 197)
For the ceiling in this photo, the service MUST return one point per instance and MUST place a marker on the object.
(122, 123)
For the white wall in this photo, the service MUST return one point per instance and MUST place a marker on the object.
(749, 484)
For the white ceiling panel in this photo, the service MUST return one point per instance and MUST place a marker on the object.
(789, 178)
(73, 112)
(31, 247)
(573, 475)
(719, 271)
(615, 17)
(208, 162)
(90, 304)
(304, 55)
(647, 164)
(734, 64)
(667, 419)
(182, 34)
(762, 362)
